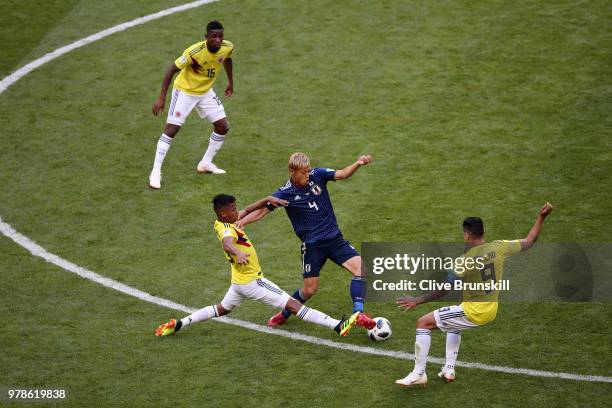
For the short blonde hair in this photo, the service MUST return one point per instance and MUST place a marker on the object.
(298, 160)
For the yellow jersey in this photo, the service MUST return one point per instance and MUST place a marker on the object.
(200, 67)
(241, 274)
(480, 306)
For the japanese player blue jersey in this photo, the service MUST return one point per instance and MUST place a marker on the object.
(310, 210)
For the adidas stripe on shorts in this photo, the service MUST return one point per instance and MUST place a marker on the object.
(452, 318)
(258, 289)
(208, 106)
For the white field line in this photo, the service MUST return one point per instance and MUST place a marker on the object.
(26, 69)
(39, 251)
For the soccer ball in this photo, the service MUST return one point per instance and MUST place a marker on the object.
(382, 331)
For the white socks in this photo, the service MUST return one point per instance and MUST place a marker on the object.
(453, 340)
(214, 145)
(423, 342)
(203, 314)
(421, 349)
(314, 316)
(163, 145)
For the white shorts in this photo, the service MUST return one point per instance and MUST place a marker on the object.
(451, 318)
(208, 106)
(258, 289)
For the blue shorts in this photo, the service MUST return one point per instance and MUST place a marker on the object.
(314, 255)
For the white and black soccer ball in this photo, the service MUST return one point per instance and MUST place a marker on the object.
(382, 330)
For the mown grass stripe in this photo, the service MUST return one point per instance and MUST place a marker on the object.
(39, 251)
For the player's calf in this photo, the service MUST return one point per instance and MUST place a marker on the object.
(357, 290)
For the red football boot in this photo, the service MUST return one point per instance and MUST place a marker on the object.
(279, 319)
(363, 320)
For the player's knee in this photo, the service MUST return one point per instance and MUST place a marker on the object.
(171, 130)
(355, 266)
(222, 126)
(363, 270)
(422, 322)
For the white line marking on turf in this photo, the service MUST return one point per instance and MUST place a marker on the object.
(39, 251)
(26, 69)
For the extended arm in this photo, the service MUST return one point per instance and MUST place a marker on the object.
(159, 104)
(409, 302)
(228, 246)
(252, 217)
(276, 202)
(533, 235)
(228, 65)
(349, 170)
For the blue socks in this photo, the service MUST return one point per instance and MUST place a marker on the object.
(358, 288)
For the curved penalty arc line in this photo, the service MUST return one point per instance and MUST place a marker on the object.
(41, 252)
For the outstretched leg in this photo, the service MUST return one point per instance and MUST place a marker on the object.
(342, 327)
(310, 315)
(233, 298)
(201, 315)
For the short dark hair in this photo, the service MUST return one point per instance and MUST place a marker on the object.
(222, 200)
(474, 226)
(213, 25)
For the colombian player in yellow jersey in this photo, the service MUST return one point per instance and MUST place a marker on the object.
(247, 278)
(198, 68)
(478, 307)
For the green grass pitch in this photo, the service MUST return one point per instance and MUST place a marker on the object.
(469, 108)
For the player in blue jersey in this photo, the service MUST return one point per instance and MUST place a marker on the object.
(312, 216)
